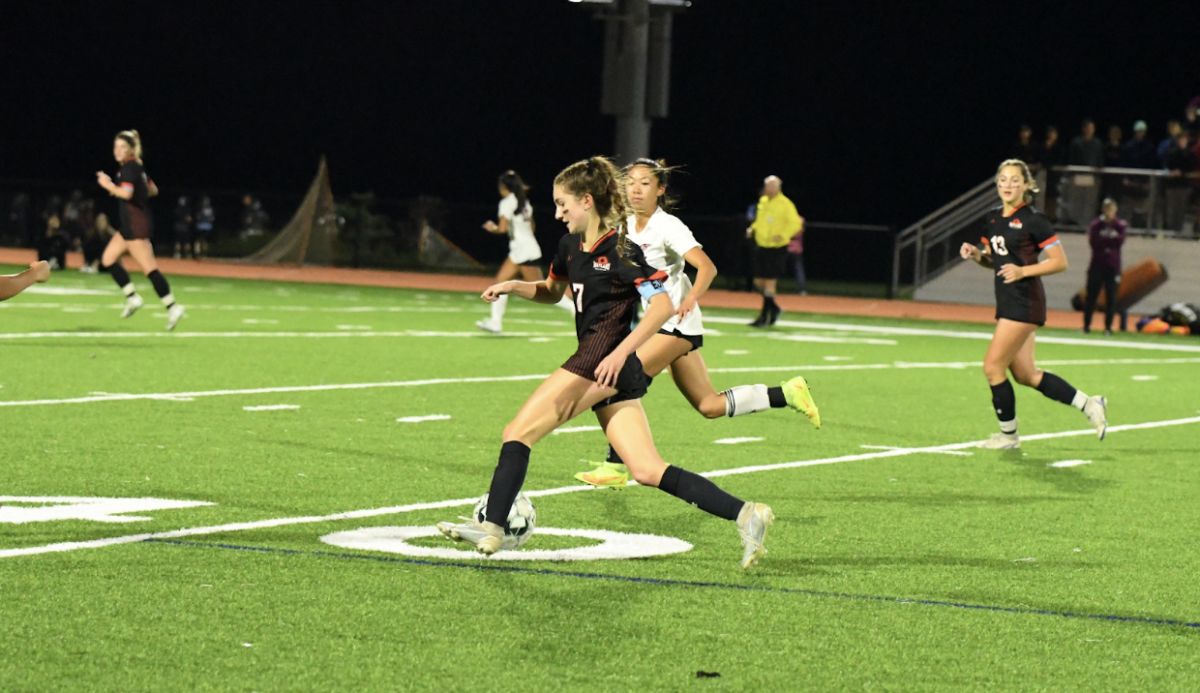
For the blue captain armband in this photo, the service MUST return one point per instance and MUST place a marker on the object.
(650, 287)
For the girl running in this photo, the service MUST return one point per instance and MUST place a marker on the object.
(137, 227)
(516, 220)
(1015, 234)
(668, 244)
(606, 273)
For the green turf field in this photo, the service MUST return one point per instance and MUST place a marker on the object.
(901, 559)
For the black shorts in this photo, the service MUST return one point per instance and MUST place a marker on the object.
(696, 341)
(632, 383)
(770, 263)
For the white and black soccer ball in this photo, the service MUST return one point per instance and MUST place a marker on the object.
(522, 518)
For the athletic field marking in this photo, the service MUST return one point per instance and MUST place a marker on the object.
(419, 419)
(1069, 463)
(736, 352)
(1145, 377)
(188, 396)
(461, 502)
(363, 328)
(838, 358)
(575, 429)
(66, 291)
(921, 332)
(735, 441)
(228, 335)
(685, 583)
(892, 447)
(272, 407)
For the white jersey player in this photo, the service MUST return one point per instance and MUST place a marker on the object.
(668, 244)
(516, 220)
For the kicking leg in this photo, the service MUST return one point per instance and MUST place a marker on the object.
(1026, 372)
(143, 252)
(111, 261)
(1009, 338)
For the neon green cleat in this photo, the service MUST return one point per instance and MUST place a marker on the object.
(605, 475)
(795, 391)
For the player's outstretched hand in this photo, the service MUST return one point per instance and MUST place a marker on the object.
(610, 368)
(41, 271)
(490, 226)
(969, 251)
(495, 291)
(1012, 273)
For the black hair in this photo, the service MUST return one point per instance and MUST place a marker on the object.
(511, 180)
(662, 173)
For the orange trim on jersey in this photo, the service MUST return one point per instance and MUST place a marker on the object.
(657, 276)
(1013, 212)
(1049, 241)
(127, 185)
(557, 277)
(985, 241)
(598, 242)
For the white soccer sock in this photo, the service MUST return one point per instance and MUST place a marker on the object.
(169, 299)
(498, 309)
(746, 399)
(1008, 427)
(1080, 400)
(128, 290)
(566, 304)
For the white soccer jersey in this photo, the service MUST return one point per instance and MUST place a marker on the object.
(664, 242)
(522, 246)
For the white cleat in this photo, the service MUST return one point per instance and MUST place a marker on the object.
(174, 315)
(1001, 441)
(132, 303)
(486, 537)
(1095, 409)
(489, 326)
(752, 524)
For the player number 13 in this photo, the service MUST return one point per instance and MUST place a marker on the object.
(998, 245)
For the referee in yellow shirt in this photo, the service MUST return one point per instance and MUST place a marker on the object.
(775, 223)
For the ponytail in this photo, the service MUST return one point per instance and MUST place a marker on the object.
(511, 180)
(602, 180)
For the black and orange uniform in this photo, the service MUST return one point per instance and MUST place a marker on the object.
(1018, 239)
(136, 221)
(607, 289)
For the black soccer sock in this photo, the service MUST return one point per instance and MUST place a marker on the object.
(700, 492)
(775, 396)
(121, 277)
(1060, 390)
(162, 288)
(507, 480)
(1004, 401)
(613, 456)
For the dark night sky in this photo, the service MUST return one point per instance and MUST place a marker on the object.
(871, 112)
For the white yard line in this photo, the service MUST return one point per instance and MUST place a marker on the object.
(306, 335)
(735, 441)
(462, 502)
(187, 396)
(419, 419)
(575, 429)
(272, 407)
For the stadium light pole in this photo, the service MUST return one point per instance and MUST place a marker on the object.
(637, 68)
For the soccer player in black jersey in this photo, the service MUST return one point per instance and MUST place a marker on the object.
(607, 275)
(1014, 236)
(134, 189)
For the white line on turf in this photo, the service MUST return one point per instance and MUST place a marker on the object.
(920, 332)
(735, 441)
(187, 396)
(418, 419)
(1069, 463)
(461, 502)
(272, 407)
(893, 447)
(227, 335)
(575, 429)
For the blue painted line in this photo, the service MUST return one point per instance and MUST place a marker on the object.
(688, 583)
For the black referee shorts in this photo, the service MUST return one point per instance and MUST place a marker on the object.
(770, 263)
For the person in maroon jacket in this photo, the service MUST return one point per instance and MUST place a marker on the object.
(1106, 235)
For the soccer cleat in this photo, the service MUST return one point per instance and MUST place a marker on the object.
(1001, 441)
(489, 325)
(760, 321)
(798, 397)
(486, 537)
(605, 475)
(1095, 409)
(132, 303)
(773, 317)
(752, 525)
(174, 315)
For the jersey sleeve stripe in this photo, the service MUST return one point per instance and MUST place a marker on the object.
(127, 185)
(1049, 242)
(657, 276)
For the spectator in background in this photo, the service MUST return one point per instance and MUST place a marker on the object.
(205, 218)
(1025, 149)
(1106, 235)
(182, 226)
(1052, 155)
(1191, 118)
(1085, 150)
(53, 246)
(1138, 152)
(94, 243)
(72, 220)
(254, 218)
(18, 218)
(1180, 161)
(1109, 183)
(1168, 143)
(776, 221)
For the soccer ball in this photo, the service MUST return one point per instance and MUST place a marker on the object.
(521, 520)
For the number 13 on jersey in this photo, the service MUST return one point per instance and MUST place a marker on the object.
(999, 247)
